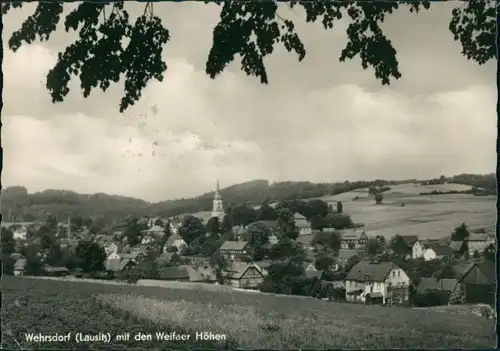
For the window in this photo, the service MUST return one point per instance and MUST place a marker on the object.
(393, 274)
(399, 274)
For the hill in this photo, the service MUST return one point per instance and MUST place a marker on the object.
(19, 205)
(248, 320)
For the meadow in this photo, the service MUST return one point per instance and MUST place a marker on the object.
(247, 320)
(426, 216)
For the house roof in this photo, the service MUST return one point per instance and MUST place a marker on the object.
(237, 269)
(117, 265)
(368, 271)
(173, 273)
(264, 263)
(314, 274)
(268, 224)
(298, 217)
(436, 284)
(234, 245)
(201, 273)
(462, 268)
(456, 245)
(20, 264)
(16, 256)
(154, 229)
(172, 238)
(409, 240)
(488, 268)
(55, 269)
(479, 237)
(352, 234)
(440, 250)
(130, 256)
(303, 224)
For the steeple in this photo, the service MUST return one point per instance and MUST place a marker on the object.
(217, 207)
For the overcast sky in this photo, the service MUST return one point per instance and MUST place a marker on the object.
(319, 120)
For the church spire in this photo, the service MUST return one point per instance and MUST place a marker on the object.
(218, 188)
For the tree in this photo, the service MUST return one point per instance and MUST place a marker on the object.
(220, 265)
(381, 238)
(191, 229)
(7, 264)
(267, 212)
(54, 255)
(8, 242)
(316, 208)
(51, 223)
(324, 262)
(243, 215)
(226, 224)
(340, 207)
(258, 237)
(372, 190)
(286, 223)
(461, 233)
(47, 238)
(373, 247)
(379, 198)
(214, 225)
(327, 240)
(100, 60)
(398, 246)
(133, 232)
(90, 256)
(338, 221)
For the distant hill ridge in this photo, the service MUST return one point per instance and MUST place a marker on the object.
(17, 204)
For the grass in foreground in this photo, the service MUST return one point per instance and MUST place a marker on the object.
(248, 320)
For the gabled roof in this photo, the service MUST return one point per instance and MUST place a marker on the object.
(436, 284)
(352, 234)
(172, 238)
(237, 269)
(298, 217)
(265, 264)
(366, 271)
(234, 245)
(488, 269)
(461, 269)
(440, 250)
(456, 245)
(479, 237)
(50, 269)
(154, 229)
(409, 240)
(173, 273)
(346, 254)
(314, 274)
(117, 265)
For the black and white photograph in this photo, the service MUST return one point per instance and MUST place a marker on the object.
(249, 175)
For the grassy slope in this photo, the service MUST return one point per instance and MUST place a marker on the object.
(248, 320)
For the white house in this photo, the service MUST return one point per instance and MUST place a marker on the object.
(174, 240)
(113, 247)
(417, 250)
(436, 251)
(309, 267)
(353, 238)
(113, 256)
(369, 282)
(302, 224)
(273, 239)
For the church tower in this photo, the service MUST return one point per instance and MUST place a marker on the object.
(217, 208)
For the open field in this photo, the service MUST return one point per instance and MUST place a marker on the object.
(425, 216)
(247, 320)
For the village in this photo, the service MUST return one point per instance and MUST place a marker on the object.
(348, 264)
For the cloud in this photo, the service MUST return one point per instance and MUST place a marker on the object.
(318, 120)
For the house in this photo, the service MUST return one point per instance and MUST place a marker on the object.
(436, 284)
(377, 282)
(154, 231)
(479, 242)
(178, 274)
(437, 251)
(55, 271)
(243, 275)
(135, 255)
(232, 249)
(16, 256)
(302, 224)
(175, 224)
(273, 239)
(19, 266)
(404, 245)
(114, 256)
(263, 266)
(174, 242)
(417, 250)
(165, 258)
(118, 265)
(479, 283)
(353, 239)
(104, 240)
(314, 274)
(112, 247)
(458, 247)
(309, 267)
